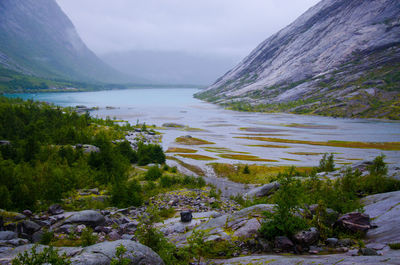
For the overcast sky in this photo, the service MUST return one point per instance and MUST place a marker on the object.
(224, 27)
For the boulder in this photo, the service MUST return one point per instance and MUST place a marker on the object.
(113, 235)
(7, 235)
(186, 216)
(331, 242)
(27, 212)
(100, 254)
(368, 252)
(263, 191)
(249, 229)
(354, 222)
(307, 237)
(87, 217)
(283, 243)
(29, 227)
(55, 209)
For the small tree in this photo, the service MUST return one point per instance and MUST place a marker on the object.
(326, 164)
(246, 169)
(119, 256)
(198, 246)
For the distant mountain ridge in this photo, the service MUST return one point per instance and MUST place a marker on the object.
(37, 38)
(340, 58)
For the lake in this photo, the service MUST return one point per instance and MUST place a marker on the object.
(274, 139)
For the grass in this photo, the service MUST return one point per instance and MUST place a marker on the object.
(195, 169)
(246, 158)
(388, 146)
(258, 174)
(181, 150)
(222, 150)
(268, 146)
(197, 157)
(309, 126)
(305, 153)
(290, 159)
(191, 141)
(394, 245)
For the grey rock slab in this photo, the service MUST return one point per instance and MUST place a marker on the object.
(263, 191)
(7, 235)
(388, 258)
(87, 217)
(384, 209)
(102, 253)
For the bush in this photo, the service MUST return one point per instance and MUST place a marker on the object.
(153, 173)
(47, 256)
(326, 164)
(150, 236)
(119, 259)
(246, 169)
(88, 238)
(284, 220)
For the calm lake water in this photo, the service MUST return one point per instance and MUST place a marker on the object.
(158, 106)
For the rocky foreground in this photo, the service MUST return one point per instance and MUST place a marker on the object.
(117, 226)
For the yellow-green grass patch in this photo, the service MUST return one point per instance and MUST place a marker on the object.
(258, 174)
(181, 150)
(195, 169)
(221, 150)
(261, 129)
(310, 126)
(389, 146)
(197, 157)
(290, 159)
(191, 141)
(268, 146)
(305, 153)
(246, 158)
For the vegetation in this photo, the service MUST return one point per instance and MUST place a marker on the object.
(47, 256)
(120, 259)
(246, 158)
(342, 195)
(44, 161)
(326, 164)
(191, 141)
(393, 146)
(197, 157)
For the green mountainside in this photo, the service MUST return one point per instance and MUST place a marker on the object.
(38, 39)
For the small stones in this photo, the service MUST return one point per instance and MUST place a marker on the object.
(186, 216)
(27, 213)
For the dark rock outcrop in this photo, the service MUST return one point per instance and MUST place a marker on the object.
(354, 222)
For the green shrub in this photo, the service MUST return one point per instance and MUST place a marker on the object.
(326, 164)
(394, 245)
(153, 173)
(47, 237)
(47, 256)
(198, 246)
(284, 220)
(214, 194)
(119, 256)
(150, 236)
(246, 169)
(88, 238)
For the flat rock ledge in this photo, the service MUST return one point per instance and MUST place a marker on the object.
(98, 254)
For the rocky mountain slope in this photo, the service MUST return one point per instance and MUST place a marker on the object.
(37, 38)
(341, 57)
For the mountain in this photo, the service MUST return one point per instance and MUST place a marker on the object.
(170, 67)
(37, 38)
(340, 58)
